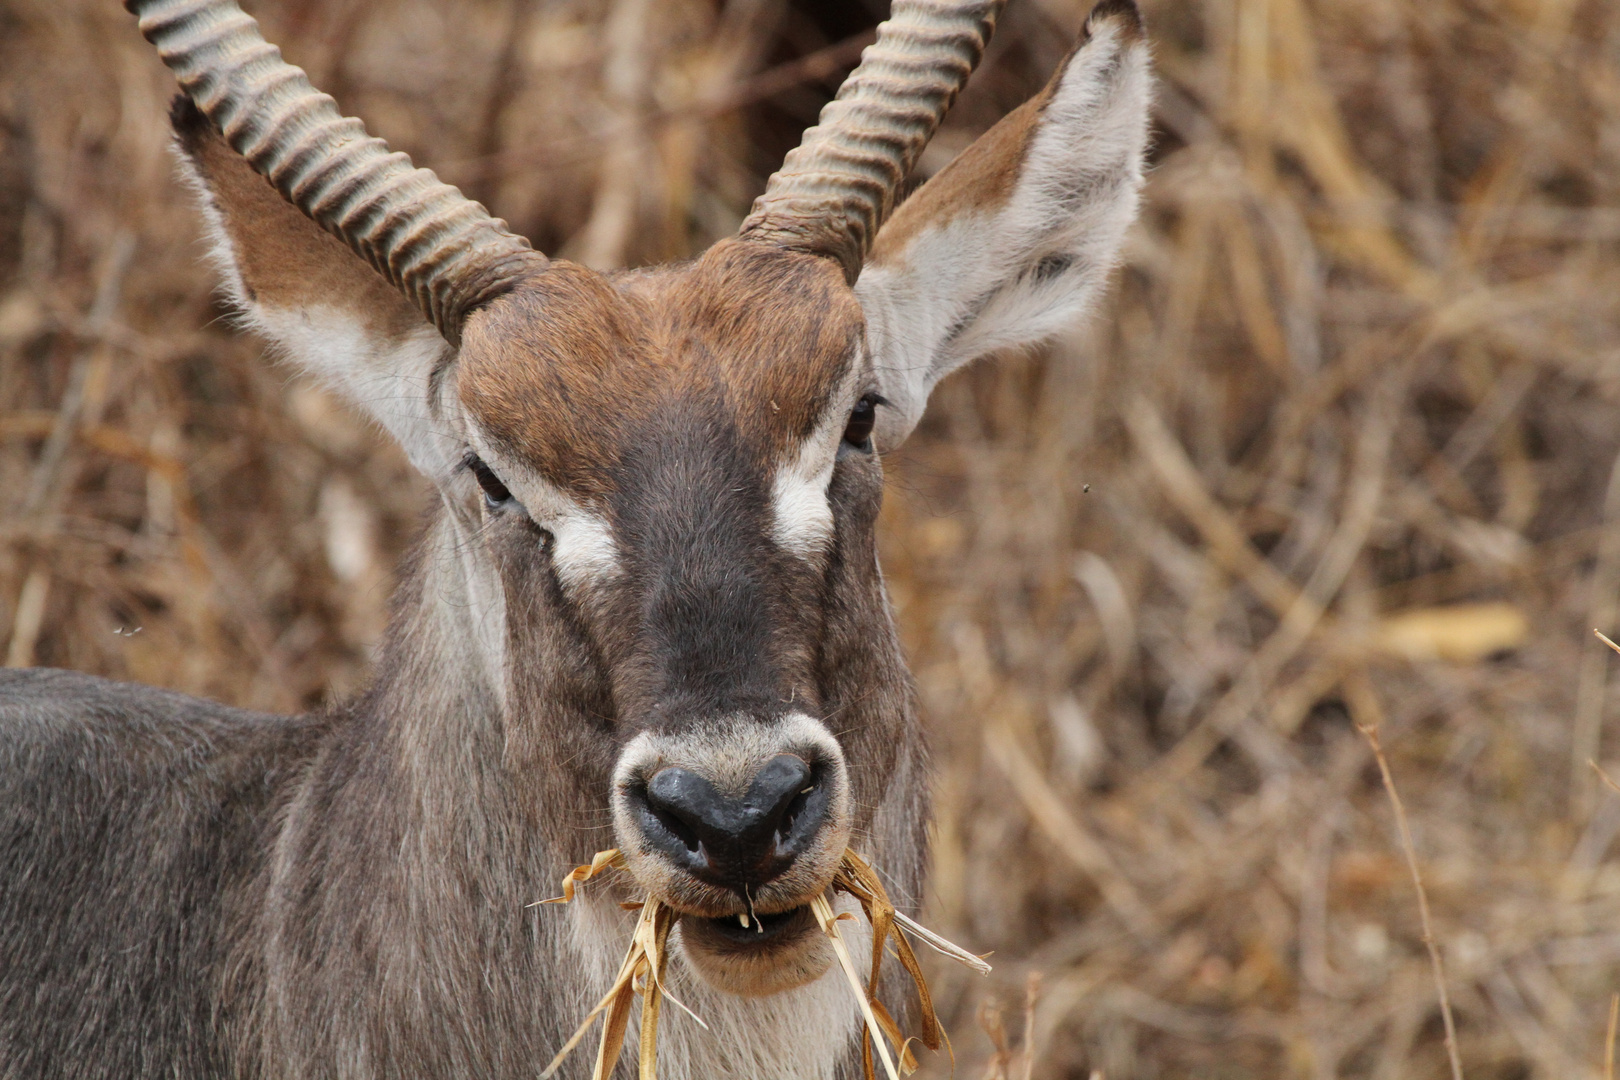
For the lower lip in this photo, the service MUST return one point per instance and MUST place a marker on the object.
(762, 932)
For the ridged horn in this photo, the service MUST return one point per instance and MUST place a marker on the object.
(441, 249)
(834, 191)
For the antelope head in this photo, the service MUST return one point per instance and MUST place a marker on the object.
(663, 483)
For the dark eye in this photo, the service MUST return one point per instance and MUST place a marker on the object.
(859, 432)
(495, 492)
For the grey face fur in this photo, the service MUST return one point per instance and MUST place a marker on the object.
(694, 642)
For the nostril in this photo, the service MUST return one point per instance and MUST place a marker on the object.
(678, 828)
(778, 794)
(683, 803)
(794, 809)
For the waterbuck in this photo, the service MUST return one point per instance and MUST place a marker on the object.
(646, 611)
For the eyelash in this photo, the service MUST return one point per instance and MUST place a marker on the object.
(862, 420)
(498, 497)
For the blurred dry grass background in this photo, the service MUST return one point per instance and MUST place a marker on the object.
(1341, 449)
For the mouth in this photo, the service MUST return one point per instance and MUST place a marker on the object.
(734, 934)
(773, 953)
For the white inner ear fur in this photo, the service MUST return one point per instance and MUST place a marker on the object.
(1017, 274)
(388, 377)
(801, 516)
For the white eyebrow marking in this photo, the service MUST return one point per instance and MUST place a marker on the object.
(803, 519)
(584, 550)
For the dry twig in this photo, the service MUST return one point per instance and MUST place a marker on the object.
(1608, 1041)
(1410, 851)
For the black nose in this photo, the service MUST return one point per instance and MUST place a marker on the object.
(730, 841)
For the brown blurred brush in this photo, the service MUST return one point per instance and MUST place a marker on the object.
(643, 972)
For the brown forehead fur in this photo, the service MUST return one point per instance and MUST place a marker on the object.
(571, 368)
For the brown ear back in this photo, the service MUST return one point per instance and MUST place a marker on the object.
(280, 259)
(1011, 243)
(980, 179)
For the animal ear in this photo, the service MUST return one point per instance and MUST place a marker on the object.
(1013, 240)
(316, 301)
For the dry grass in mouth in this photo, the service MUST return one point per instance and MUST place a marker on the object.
(643, 972)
